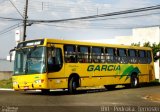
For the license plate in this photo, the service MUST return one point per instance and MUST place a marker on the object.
(26, 87)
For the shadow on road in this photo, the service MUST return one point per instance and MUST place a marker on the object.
(85, 91)
(150, 84)
(62, 93)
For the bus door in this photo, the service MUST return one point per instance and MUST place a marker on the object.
(55, 64)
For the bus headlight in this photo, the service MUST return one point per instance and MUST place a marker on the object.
(15, 83)
(39, 81)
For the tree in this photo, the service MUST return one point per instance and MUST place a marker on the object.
(147, 44)
(136, 44)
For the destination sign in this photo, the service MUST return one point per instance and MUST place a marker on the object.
(30, 43)
(33, 43)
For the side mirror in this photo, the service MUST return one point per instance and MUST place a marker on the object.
(158, 53)
(157, 56)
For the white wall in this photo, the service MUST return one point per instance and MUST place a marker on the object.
(142, 35)
(125, 40)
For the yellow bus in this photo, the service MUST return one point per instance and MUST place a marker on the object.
(47, 64)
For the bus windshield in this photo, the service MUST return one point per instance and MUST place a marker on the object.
(30, 61)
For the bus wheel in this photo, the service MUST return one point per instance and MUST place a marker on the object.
(134, 81)
(72, 86)
(110, 87)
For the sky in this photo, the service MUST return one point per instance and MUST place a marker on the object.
(108, 28)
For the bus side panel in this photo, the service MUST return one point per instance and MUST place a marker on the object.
(151, 72)
(82, 70)
(100, 81)
(58, 83)
(144, 73)
(111, 80)
(104, 74)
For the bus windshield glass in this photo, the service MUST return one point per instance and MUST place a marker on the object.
(30, 61)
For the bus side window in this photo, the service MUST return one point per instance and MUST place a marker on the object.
(83, 54)
(96, 54)
(110, 54)
(70, 53)
(142, 57)
(58, 56)
(149, 57)
(122, 56)
(132, 56)
(103, 56)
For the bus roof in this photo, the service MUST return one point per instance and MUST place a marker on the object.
(93, 44)
(73, 42)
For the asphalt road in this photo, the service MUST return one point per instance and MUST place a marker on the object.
(98, 100)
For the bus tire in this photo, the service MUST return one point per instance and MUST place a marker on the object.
(72, 86)
(110, 87)
(134, 81)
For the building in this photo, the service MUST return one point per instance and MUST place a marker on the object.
(6, 69)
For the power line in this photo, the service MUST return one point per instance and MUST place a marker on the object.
(103, 15)
(18, 24)
(110, 26)
(10, 28)
(16, 8)
(89, 17)
(10, 19)
(96, 16)
(131, 16)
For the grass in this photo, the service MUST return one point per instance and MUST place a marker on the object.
(6, 83)
(155, 81)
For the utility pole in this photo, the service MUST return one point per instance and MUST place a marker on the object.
(25, 20)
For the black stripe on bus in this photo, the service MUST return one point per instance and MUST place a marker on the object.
(96, 76)
(67, 77)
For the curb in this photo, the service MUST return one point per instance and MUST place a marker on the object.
(6, 89)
